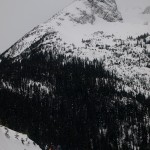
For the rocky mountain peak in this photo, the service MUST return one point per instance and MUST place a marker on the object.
(80, 12)
(106, 9)
(147, 10)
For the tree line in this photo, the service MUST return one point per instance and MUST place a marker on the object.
(81, 108)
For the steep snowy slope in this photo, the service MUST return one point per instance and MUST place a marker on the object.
(100, 23)
(78, 15)
(11, 140)
(82, 18)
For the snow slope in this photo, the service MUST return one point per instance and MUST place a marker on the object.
(80, 20)
(79, 13)
(11, 140)
(117, 20)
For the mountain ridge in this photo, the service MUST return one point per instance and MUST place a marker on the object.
(44, 28)
(71, 29)
(58, 21)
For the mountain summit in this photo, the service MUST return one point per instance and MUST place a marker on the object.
(87, 11)
(84, 17)
(85, 27)
(79, 12)
(10, 139)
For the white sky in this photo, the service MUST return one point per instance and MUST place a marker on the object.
(17, 17)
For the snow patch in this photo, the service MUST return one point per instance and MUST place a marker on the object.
(10, 139)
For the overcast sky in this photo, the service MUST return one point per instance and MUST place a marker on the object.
(17, 17)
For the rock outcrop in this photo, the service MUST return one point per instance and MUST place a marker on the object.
(106, 9)
(147, 10)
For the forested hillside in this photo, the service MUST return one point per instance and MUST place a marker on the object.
(81, 80)
(71, 102)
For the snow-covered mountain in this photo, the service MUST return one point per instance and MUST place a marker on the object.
(75, 21)
(101, 29)
(76, 16)
(80, 77)
(10, 139)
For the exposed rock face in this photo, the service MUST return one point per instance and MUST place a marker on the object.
(92, 9)
(106, 9)
(147, 10)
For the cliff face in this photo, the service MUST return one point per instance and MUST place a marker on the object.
(94, 9)
(106, 9)
(147, 10)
